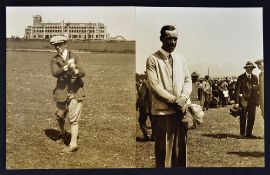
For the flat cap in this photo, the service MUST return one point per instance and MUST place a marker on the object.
(58, 39)
(259, 61)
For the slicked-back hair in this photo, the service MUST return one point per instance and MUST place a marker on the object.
(166, 27)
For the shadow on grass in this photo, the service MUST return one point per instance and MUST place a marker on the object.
(222, 136)
(141, 139)
(54, 135)
(248, 154)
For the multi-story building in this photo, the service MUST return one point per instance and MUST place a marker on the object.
(118, 38)
(82, 31)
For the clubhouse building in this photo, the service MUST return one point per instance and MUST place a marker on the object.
(80, 31)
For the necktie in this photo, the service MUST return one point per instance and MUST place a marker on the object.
(170, 59)
(169, 66)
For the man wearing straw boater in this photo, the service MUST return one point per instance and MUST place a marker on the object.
(69, 92)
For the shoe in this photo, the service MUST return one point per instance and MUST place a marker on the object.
(69, 149)
(142, 139)
(152, 138)
(242, 136)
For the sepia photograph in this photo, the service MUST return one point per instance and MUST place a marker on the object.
(200, 87)
(70, 80)
(99, 87)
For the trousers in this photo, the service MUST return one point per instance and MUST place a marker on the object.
(247, 118)
(70, 109)
(170, 141)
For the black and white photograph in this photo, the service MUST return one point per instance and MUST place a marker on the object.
(199, 76)
(70, 87)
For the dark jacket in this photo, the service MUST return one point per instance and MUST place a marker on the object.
(64, 84)
(248, 88)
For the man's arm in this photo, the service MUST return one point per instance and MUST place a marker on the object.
(237, 91)
(76, 65)
(256, 80)
(142, 93)
(56, 70)
(154, 83)
(81, 72)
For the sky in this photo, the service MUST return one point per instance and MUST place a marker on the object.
(219, 39)
(119, 20)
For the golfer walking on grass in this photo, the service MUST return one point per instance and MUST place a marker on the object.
(170, 85)
(69, 92)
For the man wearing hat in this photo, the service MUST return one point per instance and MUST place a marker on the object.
(261, 85)
(207, 92)
(246, 90)
(69, 92)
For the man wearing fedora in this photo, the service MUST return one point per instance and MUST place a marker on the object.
(261, 84)
(246, 92)
(69, 92)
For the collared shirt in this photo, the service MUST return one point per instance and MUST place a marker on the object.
(64, 54)
(168, 61)
(168, 55)
(164, 53)
(248, 75)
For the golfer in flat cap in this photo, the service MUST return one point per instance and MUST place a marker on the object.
(261, 85)
(69, 92)
(246, 92)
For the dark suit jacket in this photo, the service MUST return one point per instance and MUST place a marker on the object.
(248, 88)
(63, 84)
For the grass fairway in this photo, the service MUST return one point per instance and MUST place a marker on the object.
(107, 127)
(216, 143)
